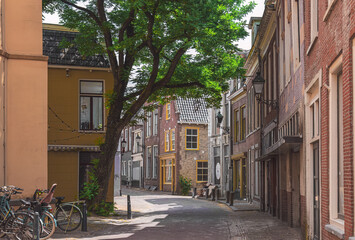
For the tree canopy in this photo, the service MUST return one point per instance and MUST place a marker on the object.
(157, 49)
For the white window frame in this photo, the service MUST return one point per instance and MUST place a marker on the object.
(155, 122)
(155, 161)
(130, 139)
(149, 124)
(148, 158)
(334, 70)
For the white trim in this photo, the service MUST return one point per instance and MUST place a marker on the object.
(333, 150)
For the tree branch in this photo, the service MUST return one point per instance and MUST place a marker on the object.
(89, 12)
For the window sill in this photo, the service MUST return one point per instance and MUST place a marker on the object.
(92, 131)
(312, 44)
(169, 183)
(188, 149)
(335, 230)
(329, 10)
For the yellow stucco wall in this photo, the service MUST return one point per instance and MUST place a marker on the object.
(63, 168)
(63, 90)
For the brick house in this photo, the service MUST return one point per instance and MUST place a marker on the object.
(275, 117)
(151, 136)
(329, 113)
(183, 145)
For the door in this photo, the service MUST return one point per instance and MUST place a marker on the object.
(316, 217)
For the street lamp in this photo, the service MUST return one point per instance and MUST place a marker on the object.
(258, 84)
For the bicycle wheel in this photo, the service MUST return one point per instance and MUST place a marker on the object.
(20, 226)
(48, 225)
(68, 217)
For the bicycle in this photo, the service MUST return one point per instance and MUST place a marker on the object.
(44, 209)
(68, 214)
(14, 225)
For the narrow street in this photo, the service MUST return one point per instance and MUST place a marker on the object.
(163, 216)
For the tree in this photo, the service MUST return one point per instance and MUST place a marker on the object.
(157, 49)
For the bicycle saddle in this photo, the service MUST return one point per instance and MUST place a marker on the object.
(60, 198)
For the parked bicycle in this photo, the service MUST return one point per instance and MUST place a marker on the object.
(68, 215)
(14, 225)
(43, 207)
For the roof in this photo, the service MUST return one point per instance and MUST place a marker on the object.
(53, 36)
(192, 110)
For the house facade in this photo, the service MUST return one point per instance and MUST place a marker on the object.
(183, 144)
(23, 96)
(329, 115)
(219, 147)
(151, 148)
(76, 112)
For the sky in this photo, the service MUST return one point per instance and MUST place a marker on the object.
(243, 44)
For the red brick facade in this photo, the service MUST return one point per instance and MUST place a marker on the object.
(336, 31)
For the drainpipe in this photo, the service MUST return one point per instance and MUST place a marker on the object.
(3, 79)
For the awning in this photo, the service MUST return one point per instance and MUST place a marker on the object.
(239, 155)
(68, 148)
(286, 143)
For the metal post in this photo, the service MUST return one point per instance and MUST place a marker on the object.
(120, 192)
(36, 231)
(213, 194)
(129, 210)
(84, 225)
(227, 196)
(218, 194)
(194, 190)
(207, 192)
(231, 199)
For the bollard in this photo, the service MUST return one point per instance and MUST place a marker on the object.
(213, 194)
(227, 196)
(129, 210)
(194, 190)
(36, 226)
(120, 193)
(84, 225)
(207, 192)
(231, 199)
(217, 194)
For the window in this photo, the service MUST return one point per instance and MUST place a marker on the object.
(236, 126)
(314, 19)
(191, 138)
(148, 159)
(155, 122)
(149, 124)
(155, 161)
(340, 147)
(202, 170)
(167, 111)
(226, 111)
(91, 105)
(336, 151)
(167, 141)
(168, 167)
(124, 168)
(172, 144)
(256, 172)
(243, 122)
(130, 139)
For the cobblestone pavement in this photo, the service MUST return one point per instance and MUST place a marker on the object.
(163, 216)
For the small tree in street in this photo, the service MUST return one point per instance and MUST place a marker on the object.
(157, 49)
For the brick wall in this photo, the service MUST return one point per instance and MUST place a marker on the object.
(334, 38)
(186, 160)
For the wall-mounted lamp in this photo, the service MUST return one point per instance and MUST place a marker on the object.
(258, 84)
(123, 145)
(67, 72)
(219, 121)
